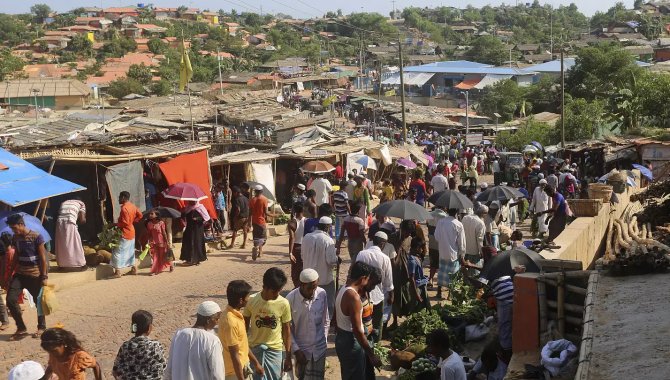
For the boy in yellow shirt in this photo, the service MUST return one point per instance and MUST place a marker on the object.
(268, 316)
(233, 334)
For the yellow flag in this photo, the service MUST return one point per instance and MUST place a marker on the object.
(185, 68)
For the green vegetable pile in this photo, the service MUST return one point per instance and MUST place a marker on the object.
(110, 237)
(464, 303)
(415, 328)
(382, 352)
(423, 365)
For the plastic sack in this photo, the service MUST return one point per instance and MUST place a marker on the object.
(144, 253)
(287, 376)
(48, 299)
(476, 332)
(555, 364)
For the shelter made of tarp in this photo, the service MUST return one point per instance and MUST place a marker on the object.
(22, 182)
(409, 79)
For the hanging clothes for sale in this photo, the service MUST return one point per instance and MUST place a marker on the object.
(126, 177)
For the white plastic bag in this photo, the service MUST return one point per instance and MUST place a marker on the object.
(476, 332)
(287, 376)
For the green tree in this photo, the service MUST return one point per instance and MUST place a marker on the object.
(488, 49)
(140, 73)
(41, 11)
(9, 64)
(157, 46)
(532, 130)
(655, 92)
(13, 30)
(503, 98)
(582, 119)
(638, 4)
(162, 88)
(125, 86)
(80, 45)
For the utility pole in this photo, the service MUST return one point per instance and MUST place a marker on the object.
(393, 17)
(551, 30)
(218, 60)
(562, 100)
(402, 93)
(467, 115)
(37, 112)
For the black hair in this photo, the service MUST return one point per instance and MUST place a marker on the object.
(409, 226)
(55, 337)
(141, 321)
(124, 194)
(310, 193)
(298, 207)
(274, 279)
(452, 211)
(6, 239)
(355, 207)
(344, 183)
(361, 269)
(438, 338)
(325, 210)
(15, 219)
(416, 243)
(236, 291)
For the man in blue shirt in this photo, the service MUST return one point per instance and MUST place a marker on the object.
(220, 206)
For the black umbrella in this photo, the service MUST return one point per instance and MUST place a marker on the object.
(503, 264)
(266, 191)
(403, 209)
(450, 199)
(499, 193)
(164, 212)
(554, 161)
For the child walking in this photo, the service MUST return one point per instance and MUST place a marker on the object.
(157, 239)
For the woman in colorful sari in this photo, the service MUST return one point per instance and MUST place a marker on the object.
(157, 240)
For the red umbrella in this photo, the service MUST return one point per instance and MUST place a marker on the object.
(184, 192)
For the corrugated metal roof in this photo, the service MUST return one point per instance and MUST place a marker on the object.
(22, 88)
(466, 69)
(164, 147)
(410, 79)
(249, 155)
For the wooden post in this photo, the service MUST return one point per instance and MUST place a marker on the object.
(560, 299)
(542, 301)
(44, 201)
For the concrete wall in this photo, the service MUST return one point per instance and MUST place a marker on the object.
(583, 239)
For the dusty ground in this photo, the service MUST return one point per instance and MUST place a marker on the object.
(631, 329)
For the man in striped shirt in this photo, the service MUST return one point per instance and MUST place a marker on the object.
(502, 288)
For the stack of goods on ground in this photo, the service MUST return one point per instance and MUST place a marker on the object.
(641, 244)
(463, 317)
(101, 253)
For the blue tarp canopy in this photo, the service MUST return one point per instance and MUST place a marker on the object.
(22, 182)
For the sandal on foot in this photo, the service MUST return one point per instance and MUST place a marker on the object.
(38, 334)
(18, 335)
(4, 326)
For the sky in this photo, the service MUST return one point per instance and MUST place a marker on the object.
(301, 8)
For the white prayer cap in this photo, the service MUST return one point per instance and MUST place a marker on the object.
(540, 176)
(325, 220)
(482, 209)
(208, 308)
(308, 275)
(484, 185)
(258, 187)
(301, 186)
(382, 235)
(28, 370)
(543, 181)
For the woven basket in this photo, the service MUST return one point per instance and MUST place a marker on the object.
(600, 191)
(617, 186)
(585, 207)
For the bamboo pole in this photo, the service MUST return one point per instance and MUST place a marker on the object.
(570, 288)
(561, 304)
(569, 307)
(542, 298)
(573, 321)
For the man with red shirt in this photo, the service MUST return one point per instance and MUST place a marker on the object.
(258, 205)
(124, 255)
(339, 172)
(420, 187)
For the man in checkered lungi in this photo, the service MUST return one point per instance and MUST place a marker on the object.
(450, 237)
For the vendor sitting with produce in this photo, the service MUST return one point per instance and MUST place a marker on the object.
(491, 363)
(451, 364)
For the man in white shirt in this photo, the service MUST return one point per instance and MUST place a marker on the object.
(319, 253)
(439, 182)
(450, 238)
(451, 363)
(474, 229)
(497, 174)
(196, 352)
(309, 326)
(538, 204)
(322, 188)
(374, 256)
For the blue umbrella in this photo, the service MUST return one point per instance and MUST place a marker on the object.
(644, 171)
(427, 142)
(31, 222)
(537, 145)
(630, 179)
(366, 162)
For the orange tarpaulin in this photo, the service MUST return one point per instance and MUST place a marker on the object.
(191, 168)
(468, 84)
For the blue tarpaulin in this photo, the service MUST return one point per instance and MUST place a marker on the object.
(22, 182)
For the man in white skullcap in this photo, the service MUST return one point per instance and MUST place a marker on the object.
(28, 370)
(309, 326)
(374, 256)
(258, 206)
(319, 253)
(196, 352)
(539, 203)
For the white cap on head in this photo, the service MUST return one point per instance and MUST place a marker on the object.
(28, 370)
(258, 187)
(301, 186)
(540, 176)
(543, 181)
(484, 185)
(308, 275)
(382, 235)
(325, 220)
(208, 308)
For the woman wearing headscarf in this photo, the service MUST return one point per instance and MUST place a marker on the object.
(193, 243)
(403, 302)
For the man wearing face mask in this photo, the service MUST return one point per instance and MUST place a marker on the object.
(309, 326)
